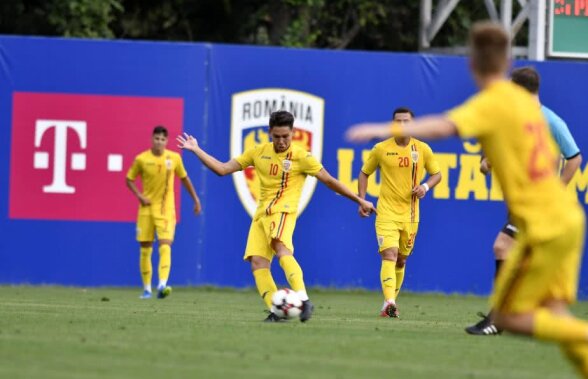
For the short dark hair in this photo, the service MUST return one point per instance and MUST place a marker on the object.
(159, 129)
(489, 48)
(526, 77)
(402, 110)
(281, 118)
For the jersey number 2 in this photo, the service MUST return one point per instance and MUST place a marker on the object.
(542, 160)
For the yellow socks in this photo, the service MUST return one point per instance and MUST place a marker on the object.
(265, 285)
(399, 279)
(388, 278)
(577, 353)
(551, 327)
(294, 275)
(145, 267)
(164, 264)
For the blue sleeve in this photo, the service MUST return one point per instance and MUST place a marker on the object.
(561, 134)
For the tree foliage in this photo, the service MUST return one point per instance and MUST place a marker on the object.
(335, 24)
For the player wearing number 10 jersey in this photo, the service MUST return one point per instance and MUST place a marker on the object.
(282, 169)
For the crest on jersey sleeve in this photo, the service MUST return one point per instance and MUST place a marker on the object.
(250, 111)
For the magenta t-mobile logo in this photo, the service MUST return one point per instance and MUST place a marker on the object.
(60, 153)
(70, 152)
(78, 160)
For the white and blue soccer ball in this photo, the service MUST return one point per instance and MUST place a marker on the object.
(286, 303)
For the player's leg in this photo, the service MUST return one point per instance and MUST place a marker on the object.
(536, 286)
(145, 235)
(388, 236)
(281, 229)
(502, 245)
(408, 234)
(388, 281)
(165, 228)
(258, 253)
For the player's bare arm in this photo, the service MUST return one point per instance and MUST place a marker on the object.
(421, 190)
(341, 189)
(430, 127)
(190, 188)
(570, 168)
(361, 191)
(188, 142)
(365, 132)
(142, 199)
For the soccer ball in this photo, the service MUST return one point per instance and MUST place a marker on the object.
(286, 303)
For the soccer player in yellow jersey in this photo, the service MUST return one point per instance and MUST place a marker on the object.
(540, 278)
(157, 168)
(282, 168)
(403, 162)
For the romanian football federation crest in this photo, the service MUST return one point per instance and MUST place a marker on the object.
(250, 111)
(414, 155)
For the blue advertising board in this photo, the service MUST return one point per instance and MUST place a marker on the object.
(226, 94)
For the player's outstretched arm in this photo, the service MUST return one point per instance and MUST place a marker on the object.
(341, 189)
(365, 132)
(188, 142)
(570, 168)
(429, 127)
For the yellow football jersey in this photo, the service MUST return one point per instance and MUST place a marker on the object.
(401, 169)
(157, 177)
(281, 176)
(514, 135)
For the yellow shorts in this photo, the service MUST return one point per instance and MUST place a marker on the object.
(536, 272)
(396, 234)
(147, 225)
(279, 226)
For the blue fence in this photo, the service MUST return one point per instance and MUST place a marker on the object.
(226, 93)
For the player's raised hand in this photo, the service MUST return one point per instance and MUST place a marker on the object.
(367, 131)
(187, 142)
(366, 208)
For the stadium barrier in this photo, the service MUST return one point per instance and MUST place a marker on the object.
(74, 113)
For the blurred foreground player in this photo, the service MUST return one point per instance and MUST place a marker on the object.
(540, 277)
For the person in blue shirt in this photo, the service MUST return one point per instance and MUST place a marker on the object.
(528, 78)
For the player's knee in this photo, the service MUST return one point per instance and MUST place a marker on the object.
(258, 263)
(401, 261)
(389, 254)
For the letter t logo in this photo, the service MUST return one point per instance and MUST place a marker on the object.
(59, 184)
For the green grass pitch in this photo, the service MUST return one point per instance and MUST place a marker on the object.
(57, 332)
